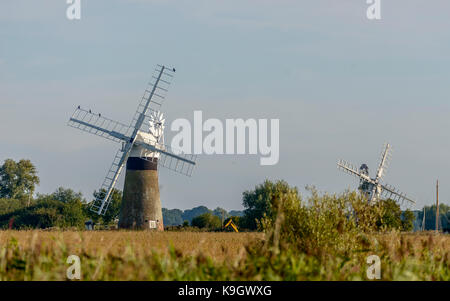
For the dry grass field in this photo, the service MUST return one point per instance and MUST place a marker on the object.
(142, 255)
(218, 246)
(118, 255)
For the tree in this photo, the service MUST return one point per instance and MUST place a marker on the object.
(172, 217)
(391, 218)
(264, 200)
(394, 218)
(46, 212)
(236, 213)
(9, 205)
(113, 208)
(66, 195)
(430, 217)
(408, 219)
(220, 212)
(69, 205)
(17, 179)
(207, 220)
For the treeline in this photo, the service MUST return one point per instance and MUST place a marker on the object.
(65, 208)
(175, 217)
(430, 218)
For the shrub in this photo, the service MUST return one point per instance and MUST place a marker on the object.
(262, 201)
(207, 220)
(327, 224)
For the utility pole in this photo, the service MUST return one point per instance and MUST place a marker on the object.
(437, 206)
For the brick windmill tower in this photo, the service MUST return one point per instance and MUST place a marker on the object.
(142, 151)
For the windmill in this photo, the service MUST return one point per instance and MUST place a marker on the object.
(142, 150)
(372, 187)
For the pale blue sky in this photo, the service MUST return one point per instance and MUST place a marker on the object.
(340, 84)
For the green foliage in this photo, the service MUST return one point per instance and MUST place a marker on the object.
(392, 216)
(9, 205)
(236, 213)
(430, 217)
(175, 217)
(207, 220)
(17, 179)
(220, 213)
(408, 219)
(321, 225)
(329, 236)
(66, 195)
(113, 209)
(63, 208)
(188, 215)
(262, 201)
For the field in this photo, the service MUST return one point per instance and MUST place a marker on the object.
(142, 255)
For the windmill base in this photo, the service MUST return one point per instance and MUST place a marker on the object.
(141, 203)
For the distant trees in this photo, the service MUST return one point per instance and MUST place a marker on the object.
(175, 217)
(220, 213)
(189, 214)
(18, 179)
(172, 217)
(430, 217)
(236, 213)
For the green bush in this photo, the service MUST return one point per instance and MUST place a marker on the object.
(207, 221)
(262, 202)
(63, 209)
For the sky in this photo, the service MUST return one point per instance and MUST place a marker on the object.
(341, 86)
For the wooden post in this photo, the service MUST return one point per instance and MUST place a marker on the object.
(437, 206)
(423, 220)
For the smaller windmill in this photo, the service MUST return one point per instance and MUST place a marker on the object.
(372, 187)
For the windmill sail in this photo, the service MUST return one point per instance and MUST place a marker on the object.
(392, 193)
(385, 156)
(347, 167)
(153, 96)
(98, 125)
(101, 203)
(169, 158)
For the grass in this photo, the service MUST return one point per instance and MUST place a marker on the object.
(217, 246)
(144, 255)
